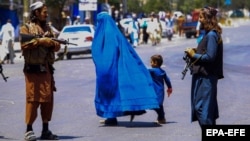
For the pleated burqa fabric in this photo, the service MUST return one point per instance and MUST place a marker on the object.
(123, 83)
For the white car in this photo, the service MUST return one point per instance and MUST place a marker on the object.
(80, 35)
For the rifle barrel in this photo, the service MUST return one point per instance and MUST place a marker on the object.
(63, 42)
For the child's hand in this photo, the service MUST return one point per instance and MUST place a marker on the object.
(169, 91)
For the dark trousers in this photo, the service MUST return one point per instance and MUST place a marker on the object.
(11, 55)
(145, 35)
(160, 112)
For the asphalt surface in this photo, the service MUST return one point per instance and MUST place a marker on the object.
(74, 117)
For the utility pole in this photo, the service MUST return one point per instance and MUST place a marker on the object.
(125, 7)
(25, 10)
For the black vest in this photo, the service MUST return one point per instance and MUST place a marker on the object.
(209, 68)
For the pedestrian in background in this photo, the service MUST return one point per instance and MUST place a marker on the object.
(8, 36)
(87, 20)
(199, 32)
(180, 21)
(68, 20)
(77, 21)
(39, 57)
(170, 21)
(144, 33)
(134, 30)
(123, 83)
(153, 29)
(160, 78)
(207, 70)
(56, 32)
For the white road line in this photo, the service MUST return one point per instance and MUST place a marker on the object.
(7, 101)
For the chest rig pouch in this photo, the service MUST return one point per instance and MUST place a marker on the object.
(37, 58)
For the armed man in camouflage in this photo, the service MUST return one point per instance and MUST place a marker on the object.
(39, 56)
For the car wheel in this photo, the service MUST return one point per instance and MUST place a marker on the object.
(188, 35)
(69, 56)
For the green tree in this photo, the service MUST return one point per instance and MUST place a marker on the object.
(156, 6)
(185, 5)
(56, 7)
(56, 13)
(134, 6)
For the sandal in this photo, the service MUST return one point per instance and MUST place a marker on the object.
(30, 136)
(47, 135)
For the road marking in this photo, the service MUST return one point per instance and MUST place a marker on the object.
(7, 101)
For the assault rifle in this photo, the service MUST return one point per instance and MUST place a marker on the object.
(1, 71)
(27, 37)
(187, 65)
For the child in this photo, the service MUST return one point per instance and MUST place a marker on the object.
(160, 78)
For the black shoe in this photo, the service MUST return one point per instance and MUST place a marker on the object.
(134, 113)
(109, 122)
(132, 117)
(47, 135)
(161, 121)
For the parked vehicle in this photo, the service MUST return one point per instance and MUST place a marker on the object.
(82, 35)
(189, 28)
(237, 14)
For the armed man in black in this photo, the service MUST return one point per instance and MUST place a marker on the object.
(39, 56)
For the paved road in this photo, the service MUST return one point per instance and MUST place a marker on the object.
(74, 116)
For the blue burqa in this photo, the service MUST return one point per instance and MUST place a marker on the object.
(123, 83)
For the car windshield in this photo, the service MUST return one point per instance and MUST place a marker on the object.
(77, 29)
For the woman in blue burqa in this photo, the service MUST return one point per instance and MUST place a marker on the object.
(123, 83)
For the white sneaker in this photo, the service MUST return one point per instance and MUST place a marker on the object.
(30, 136)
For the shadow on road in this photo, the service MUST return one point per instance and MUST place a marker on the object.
(137, 124)
(69, 137)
